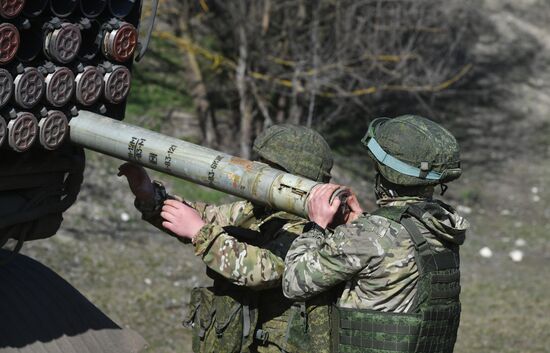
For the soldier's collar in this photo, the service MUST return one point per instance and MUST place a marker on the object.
(399, 201)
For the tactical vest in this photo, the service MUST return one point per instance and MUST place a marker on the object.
(227, 318)
(431, 325)
(222, 319)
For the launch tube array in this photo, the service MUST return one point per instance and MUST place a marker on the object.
(58, 57)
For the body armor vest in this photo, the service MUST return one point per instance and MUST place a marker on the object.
(431, 325)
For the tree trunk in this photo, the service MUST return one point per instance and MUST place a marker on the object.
(245, 103)
(198, 89)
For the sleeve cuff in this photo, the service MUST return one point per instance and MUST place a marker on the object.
(314, 227)
(204, 238)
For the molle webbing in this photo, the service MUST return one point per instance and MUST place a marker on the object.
(431, 325)
(377, 331)
(439, 329)
(431, 331)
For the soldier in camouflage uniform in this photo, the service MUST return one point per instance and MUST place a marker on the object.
(243, 246)
(398, 267)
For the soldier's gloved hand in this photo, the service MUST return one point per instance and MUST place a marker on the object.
(320, 210)
(138, 180)
(181, 219)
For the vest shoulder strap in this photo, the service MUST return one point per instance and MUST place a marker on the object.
(429, 260)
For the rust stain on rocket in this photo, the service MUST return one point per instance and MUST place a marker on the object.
(235, 179)
(246, 164)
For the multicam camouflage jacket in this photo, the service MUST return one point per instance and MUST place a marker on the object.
(256, 262)
(373, 255)
(245, 245)
(254, 258)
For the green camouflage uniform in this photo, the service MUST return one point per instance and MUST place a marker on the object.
(244, 247)
(374, 256)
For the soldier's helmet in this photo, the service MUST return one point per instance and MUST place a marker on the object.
(297, 149)
(413, 151)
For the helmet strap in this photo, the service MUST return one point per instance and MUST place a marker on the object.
(381, 190)
(378, 191)
(386, 189)
(444, 188)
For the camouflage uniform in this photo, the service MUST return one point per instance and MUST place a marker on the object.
(240, 262)
(243, 246)
(374, 255)
(399, 265)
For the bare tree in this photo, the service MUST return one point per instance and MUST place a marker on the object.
(319, 61)
(178, 16)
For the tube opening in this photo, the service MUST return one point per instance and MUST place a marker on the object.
(34, 8)
(63, 44)
(60, 86)
(92, 9)
(31, 44)
(117, 84)
(121, 43)
(121, 8)
(89, 86)
(64, 8)
(29, 87)
(53, 130)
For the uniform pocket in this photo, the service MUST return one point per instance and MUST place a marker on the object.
(228, 324)
(228, 314)
(200, 315)
(297, 338)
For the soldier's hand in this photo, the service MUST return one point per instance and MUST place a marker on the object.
(320, 210)
(354, 207)
(181, 219)
(138, 180)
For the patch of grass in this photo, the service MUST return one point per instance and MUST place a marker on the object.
(469, 196)
(157, 83)
(502, 308)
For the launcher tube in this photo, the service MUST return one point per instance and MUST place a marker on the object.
(253, 181)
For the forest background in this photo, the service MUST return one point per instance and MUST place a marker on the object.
(218, 72)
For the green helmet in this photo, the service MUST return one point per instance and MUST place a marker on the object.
(297, 149)
(412, 151)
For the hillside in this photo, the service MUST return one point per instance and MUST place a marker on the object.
(142, 279)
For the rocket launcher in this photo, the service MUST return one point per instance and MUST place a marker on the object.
(65, 74)
(57, 58)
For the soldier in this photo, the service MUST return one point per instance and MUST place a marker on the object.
(243, 246)
(398, 267)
